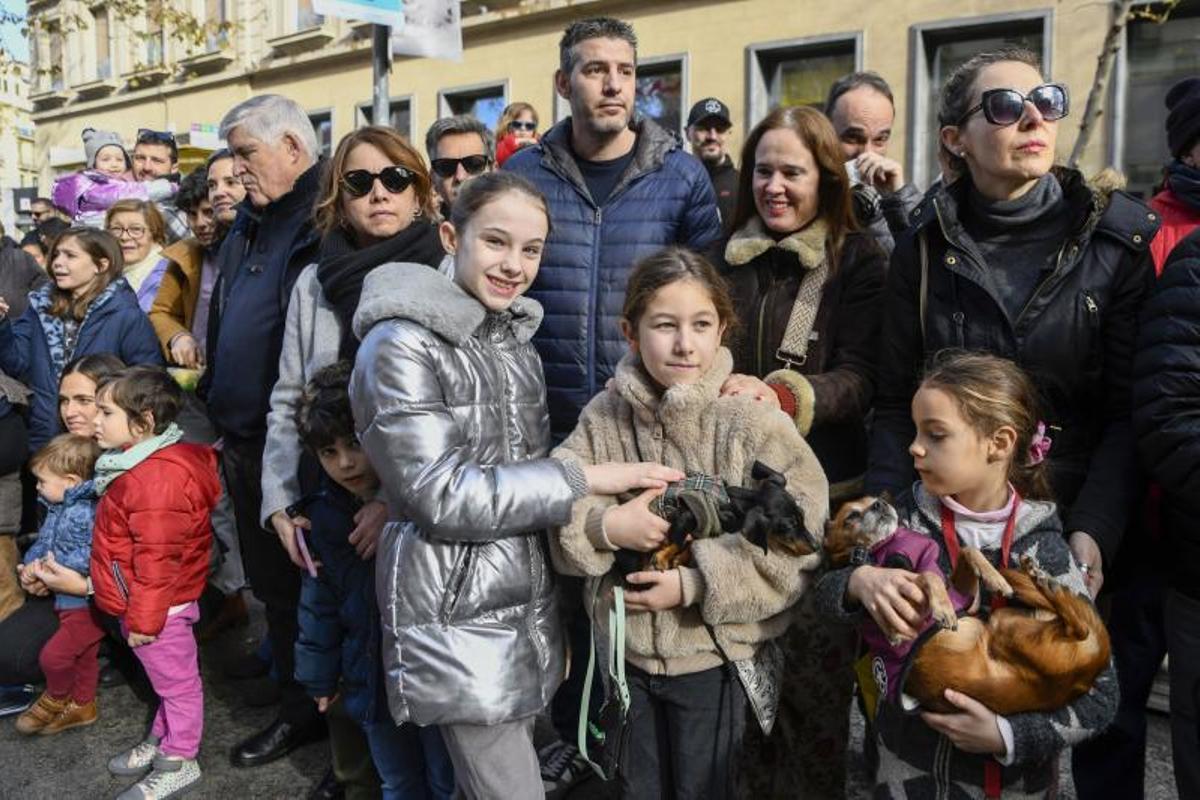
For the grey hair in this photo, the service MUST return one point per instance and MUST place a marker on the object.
(268, 117)
(462, 123)
(593, 28)
(857, 80)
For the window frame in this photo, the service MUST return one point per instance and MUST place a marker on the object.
(443, 95)
(411, 99)
(758, 92)
(685, 66)
(317, 112)
(917, 107)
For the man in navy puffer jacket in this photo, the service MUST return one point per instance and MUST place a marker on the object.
(617, 193)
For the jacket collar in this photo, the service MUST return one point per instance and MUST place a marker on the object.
(39, 299)
(650, 151)
(1032, 516)
(752, 240)
(684, 401)
(435, 301)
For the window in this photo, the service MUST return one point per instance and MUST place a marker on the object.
(56, 77)
(322, 122)
(484, 103)
(154, 34)
(214, 17)
(103, 46)
(399, 116)
(938, 50)
(306, 17)
(661, 91)
(1154, 58)
(798, 72)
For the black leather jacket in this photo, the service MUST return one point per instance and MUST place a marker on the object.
(1075, 337)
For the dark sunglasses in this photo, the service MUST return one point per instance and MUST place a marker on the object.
(446, 167)
(518, 125)
(1007, 106)
(145, 135)
(359, 182)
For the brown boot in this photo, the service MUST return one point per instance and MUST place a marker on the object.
(232, 614)
(73, 715)
(40, 714)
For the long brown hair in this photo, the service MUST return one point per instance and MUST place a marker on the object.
(99, 246)
(330, 212)
(669, 266)
(992, 392)
(834, 204)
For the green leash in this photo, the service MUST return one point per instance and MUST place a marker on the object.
(616, 671)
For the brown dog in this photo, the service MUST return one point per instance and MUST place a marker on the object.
(1038, 654)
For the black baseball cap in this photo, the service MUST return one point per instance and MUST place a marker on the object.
(709, 108)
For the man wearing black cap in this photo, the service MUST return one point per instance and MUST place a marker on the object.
(1179, 201)
(708, 125)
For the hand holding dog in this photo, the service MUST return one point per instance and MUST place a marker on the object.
(664, 590)
(893, 598)
(612, 479)
(972, 729)
(633, 526)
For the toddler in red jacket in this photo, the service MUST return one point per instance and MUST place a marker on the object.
(150, 554)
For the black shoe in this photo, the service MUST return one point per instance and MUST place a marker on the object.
(111, 676)
(276, 741)
(328, 788)
(246, 666)
(259, 692)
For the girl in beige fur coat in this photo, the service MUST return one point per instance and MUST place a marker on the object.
(687, 711)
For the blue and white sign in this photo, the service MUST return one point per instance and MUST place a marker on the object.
(380, 12)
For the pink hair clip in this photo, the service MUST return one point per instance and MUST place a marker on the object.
(1039, 445)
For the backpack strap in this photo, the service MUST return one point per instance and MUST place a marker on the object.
(616, 671)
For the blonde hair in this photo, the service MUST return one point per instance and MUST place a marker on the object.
(510, 113)
(67, 454)
(992, 392)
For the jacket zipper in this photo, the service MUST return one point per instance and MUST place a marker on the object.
(120, 579)
(1049, 282)
(458, 580)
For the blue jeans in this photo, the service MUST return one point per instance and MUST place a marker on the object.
(412, 761)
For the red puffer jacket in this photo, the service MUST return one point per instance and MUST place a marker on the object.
(151, 542)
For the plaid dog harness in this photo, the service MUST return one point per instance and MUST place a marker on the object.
(703, 495)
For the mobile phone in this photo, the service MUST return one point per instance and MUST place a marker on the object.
(302, 545)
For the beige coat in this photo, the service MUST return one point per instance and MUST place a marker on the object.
(746, 595)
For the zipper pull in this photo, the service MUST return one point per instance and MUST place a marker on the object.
(1090, 303)
(598, 216)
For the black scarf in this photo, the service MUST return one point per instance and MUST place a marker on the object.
(342, 265)
(1185, 183)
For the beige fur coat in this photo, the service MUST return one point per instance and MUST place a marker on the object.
(746, 595)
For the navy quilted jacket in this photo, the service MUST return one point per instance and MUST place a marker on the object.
(664, 198)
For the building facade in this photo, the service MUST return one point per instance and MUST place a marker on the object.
(18, 157)
(753, 54)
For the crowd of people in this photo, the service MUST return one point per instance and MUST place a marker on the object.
(430, 408)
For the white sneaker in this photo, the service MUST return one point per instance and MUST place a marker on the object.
(136, 760)
(170, 777)
(562, 768)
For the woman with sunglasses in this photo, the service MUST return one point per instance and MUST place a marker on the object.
(376, 207)
(517, 128)
(1024, 260)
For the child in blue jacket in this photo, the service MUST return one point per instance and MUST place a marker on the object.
(337, 651)
(63, 469)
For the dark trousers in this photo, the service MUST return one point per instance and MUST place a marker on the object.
(564, 706)
(22, 636)
(412, 761)
(273, 577)
(1114, 763)
(351, 755)
(69, 659)
(1183, 641)
(684, 734)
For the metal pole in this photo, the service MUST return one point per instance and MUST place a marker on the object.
(381, 60)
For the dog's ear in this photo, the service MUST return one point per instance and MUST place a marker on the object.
(761, 472)
(886, 496)
(683, 524)
(756, 528)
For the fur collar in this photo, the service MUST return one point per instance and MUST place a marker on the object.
(432, 300)
(752, 240)
(650, 403)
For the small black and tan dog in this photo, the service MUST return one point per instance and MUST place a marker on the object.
(765, 514)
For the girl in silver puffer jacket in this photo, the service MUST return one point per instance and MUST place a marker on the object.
(449, 402)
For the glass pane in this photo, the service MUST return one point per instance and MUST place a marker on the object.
(947, 56)
(154, 33)
(306, 17)
(660, 94)
(1158, 56)
(398, 116)
(103, 57)
(323, 124)
(214, 17)
(486, 106)
(802, 79)
(56, 60)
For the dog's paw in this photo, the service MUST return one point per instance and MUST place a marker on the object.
(997, 584)
(946, 619)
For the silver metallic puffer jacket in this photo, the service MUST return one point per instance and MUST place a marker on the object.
(449, 403)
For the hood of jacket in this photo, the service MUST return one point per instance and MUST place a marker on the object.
(680, 402)
(432, 300)
(649, 151)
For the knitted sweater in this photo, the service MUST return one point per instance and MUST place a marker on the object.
(745, 594)
(916, 762)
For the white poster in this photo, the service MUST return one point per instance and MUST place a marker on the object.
(380, 12)
(432, 28)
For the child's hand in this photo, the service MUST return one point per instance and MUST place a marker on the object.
(612, 479)
(285, 529)
(664, 590)
(139, 639)
(323, 703)
(368, 525)
(633, 526)
(972, 729)
(749, 386)
(30, 580)
(63, 580)
(893, 598)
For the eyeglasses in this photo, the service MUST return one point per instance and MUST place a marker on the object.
(1007, 106)
(395, 179)
(446, 167)
(133, 231)
(519, 125)
(157, 137)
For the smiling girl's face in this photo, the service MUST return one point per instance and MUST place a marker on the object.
(499, 250)
(678, 335)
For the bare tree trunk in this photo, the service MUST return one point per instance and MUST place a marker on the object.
(1104, 65)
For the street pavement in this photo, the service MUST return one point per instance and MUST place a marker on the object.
(71, 766)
